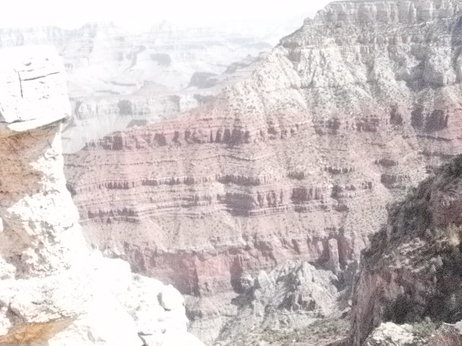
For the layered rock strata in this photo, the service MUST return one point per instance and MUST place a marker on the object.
(53, 289)
(295, 163)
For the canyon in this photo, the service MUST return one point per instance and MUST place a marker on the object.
(55, 290)
(117, 77)
(283, 176)
(309, 195)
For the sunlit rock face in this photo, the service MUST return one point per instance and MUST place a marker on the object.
(38, 217)
(297, 162)
(53, 289)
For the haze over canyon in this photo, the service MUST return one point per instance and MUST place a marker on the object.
(308, 193)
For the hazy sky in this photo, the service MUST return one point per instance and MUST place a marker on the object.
(134, 13)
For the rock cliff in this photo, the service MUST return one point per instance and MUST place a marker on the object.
(297, 162)
(53, 289)
(412, 271)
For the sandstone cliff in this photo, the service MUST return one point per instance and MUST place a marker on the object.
(53, 289)
(295, 163)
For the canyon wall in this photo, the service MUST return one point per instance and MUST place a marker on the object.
(297, 162)
(54, 290)
(411, 273)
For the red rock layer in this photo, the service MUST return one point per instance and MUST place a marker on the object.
(298, 162)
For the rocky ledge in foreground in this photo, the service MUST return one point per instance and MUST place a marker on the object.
(412, 272)
(53, 290)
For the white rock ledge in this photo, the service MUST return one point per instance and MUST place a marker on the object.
(54, 291)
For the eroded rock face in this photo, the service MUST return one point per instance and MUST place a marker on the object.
(411, 271)
(39, 223)
(296, 162)
(53, 289)
(290, 296)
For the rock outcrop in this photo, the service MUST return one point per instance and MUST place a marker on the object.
(412, 270)
(53, 289)
(419, 334)
(297, 162)
(290, 296)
